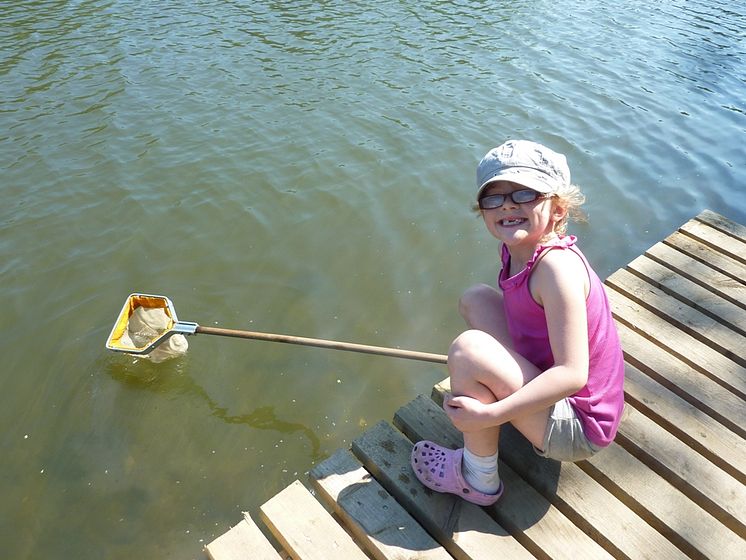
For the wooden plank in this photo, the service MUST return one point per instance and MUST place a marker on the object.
(716, 239)
(704, 299)
(704, 254)
(727, 287)
(678, 377)
(463, 529)
(688, 423)
(665, 508)
(579, 497)
(723, 224)
(243, 542)
(695, 323)
(713, 489)
(371, 513)
(530, 518)
(305, 529)
(662, 512)
(697, 355)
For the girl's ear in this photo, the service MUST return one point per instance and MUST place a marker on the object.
(559, 211)
(559, 216)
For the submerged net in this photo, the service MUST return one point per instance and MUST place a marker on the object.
(147, 324)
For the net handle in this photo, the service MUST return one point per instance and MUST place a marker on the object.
(329, 344)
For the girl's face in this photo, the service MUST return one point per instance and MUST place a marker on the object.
(521, 226)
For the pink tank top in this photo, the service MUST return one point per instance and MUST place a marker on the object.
(600, 403)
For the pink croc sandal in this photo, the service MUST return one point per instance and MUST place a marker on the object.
(439, 469)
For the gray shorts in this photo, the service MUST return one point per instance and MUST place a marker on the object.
(564, 439)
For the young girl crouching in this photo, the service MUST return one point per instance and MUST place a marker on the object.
(542, 351)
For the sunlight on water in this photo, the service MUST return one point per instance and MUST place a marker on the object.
(306, 170)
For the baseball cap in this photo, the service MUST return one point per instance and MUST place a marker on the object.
(526, 163)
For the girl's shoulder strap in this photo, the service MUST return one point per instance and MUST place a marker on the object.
(564, 242)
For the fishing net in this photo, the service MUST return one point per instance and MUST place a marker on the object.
(147, 324)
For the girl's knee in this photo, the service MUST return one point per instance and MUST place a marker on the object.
(471, 351)
(468, 343)
(477, 360)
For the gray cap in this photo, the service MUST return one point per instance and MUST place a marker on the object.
(526, 163)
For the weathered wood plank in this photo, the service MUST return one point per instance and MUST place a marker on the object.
(716, 239)
(713, 489)
(688, 319)
(579, 497)
(463, 529)
(371, 513)
(725, 286)
(696, 354)
(695, 295)
(704, 254)
(305, 529)
(534, 522)
(723, 224)
(664, 507)
(242, 542)
(685, 421)
(678, 377)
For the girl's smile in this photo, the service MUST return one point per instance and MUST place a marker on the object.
(511, 222)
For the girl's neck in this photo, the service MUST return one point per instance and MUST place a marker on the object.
(519, 256)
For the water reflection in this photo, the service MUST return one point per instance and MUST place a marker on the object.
(170, 378)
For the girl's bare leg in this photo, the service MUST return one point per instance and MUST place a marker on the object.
(483, 365)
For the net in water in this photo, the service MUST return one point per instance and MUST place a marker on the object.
(147, 324)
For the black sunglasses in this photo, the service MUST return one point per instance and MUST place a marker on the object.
(518, 197)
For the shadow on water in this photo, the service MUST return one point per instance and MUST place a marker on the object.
(169, 378)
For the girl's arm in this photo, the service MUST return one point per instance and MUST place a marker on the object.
(559, 283)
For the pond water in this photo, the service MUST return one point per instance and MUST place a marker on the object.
(303, 168)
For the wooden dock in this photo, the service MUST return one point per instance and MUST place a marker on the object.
(672, 485)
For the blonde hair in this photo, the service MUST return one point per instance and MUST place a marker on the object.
(571, 199)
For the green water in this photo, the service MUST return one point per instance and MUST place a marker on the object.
(302, 168)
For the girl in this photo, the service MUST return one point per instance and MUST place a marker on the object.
(542, 351)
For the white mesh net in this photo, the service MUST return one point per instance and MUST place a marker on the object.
(146, 325)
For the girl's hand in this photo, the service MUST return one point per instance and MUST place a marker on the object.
(467, 414)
